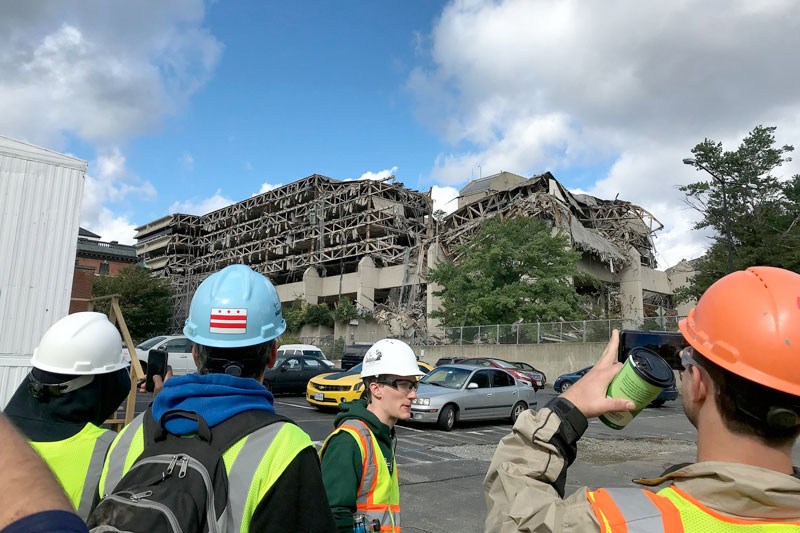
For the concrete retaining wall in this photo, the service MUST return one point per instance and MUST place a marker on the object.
(553, 359)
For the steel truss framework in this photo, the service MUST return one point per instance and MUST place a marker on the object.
(316, 221)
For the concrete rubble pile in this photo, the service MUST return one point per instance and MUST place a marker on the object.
(604, 228)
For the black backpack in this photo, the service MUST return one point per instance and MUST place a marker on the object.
(177, 484)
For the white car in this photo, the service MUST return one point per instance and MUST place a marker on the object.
(304, 349)
(178, 348)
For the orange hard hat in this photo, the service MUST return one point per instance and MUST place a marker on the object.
(749, 323)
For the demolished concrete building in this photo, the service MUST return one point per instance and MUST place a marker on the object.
(320, 239)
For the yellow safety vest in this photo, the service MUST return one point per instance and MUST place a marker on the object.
(253, 464)
(628, 510)
(378, 492)
(77, 463)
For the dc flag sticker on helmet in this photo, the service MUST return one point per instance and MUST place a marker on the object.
(228, 321)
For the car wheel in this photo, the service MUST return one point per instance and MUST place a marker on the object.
(517, 410)
(268, 385)
(447, 418)
(657, 403)
(566, 385)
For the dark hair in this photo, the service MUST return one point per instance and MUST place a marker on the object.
(367, 394)
(751, 409)
(246, 362)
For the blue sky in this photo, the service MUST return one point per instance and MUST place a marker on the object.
(190, 105)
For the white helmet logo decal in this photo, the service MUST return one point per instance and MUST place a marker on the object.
(228, 321)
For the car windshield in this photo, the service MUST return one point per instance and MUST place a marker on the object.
(524, 366)
(278, 362)
(356, 369)
(314, 353)
(449, 377)
(149, 343)
(502, 364)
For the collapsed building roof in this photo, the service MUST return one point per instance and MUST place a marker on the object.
(606, 229)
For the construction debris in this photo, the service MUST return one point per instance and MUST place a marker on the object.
(604, 228)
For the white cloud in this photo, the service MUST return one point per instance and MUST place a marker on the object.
(553, 84)
(380, 175)
(112, 227)
(104, 73)
(444, 198)
(187, 161)
(203, 206)
(267, 187)
(108, 181)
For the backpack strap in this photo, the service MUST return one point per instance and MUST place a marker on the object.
(227, 433)
(223, 435)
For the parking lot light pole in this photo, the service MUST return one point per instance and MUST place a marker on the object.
(721, 180)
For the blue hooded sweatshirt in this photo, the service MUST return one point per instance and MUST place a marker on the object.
(215, 397)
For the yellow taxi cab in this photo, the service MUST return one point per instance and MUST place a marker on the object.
(329, 390)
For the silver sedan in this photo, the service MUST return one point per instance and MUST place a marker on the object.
(451, 393)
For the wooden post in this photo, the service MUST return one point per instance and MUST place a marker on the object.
(136, 367)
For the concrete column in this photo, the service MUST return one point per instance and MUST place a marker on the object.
(630, 286)
(367, 281)
(435, 256)
(312, 284)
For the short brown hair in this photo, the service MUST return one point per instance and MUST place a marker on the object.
(751, 409)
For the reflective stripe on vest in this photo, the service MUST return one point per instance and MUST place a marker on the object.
(76, 467)
(253, 465)
(115, 465)
(378, 492)
(671, 510)
(245, 467)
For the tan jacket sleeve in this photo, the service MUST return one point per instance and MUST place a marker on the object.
(522, 485)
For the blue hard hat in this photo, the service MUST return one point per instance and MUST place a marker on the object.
(234, 307)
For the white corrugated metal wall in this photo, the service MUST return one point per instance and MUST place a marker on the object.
(40, 199)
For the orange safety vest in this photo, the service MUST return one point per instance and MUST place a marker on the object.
(628, 510)
(378, 492)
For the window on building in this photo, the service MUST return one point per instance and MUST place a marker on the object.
(104, 268)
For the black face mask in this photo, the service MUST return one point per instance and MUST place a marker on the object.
(52, 417)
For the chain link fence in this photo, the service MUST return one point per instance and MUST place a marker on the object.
(531, 333)
(544, 332)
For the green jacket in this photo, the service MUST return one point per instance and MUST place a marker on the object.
(342, 464)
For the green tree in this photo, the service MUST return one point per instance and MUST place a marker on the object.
(319, 315)
(145, 301)
(763, 210)
(513, 269)
(345, 311)
(295, 316)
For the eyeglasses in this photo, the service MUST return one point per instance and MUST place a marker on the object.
(403, 385)
(687, 360)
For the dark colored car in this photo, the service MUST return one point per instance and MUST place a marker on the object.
(354, 354)
(447, 361)
(536, 379)
(525, 367)
(565, 381)
(291, 374)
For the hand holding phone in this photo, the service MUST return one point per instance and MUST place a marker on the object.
(156, 366)
(667, 344)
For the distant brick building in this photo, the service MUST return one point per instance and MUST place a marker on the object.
(96, 258)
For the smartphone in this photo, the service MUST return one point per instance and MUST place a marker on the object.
(667, 344)
(156, 366)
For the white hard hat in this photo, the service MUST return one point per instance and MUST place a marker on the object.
(80, 344)
(390, 356)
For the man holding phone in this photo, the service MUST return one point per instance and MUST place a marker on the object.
(740, 388)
